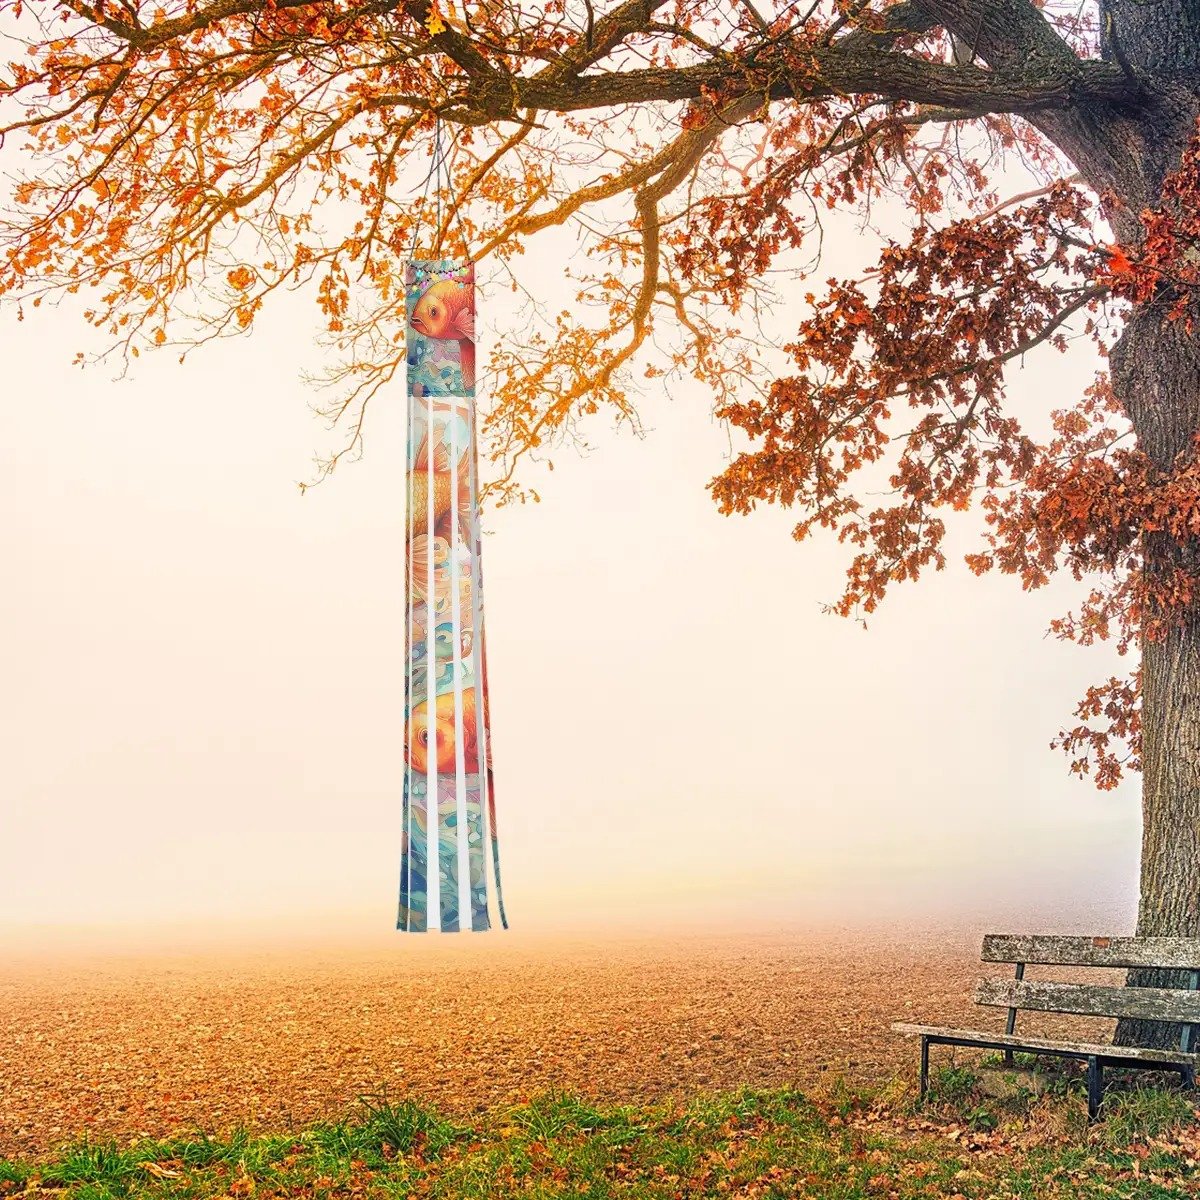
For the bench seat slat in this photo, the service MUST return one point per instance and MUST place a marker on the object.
(1091, 1000)
(1053, 951)
(1020, 1042)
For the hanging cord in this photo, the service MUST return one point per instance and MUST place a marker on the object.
(412, 250)
(439, 175)
(443, 152)
(439, 166)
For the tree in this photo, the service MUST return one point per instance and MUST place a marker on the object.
(172, 155)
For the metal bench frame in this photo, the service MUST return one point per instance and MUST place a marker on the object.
(1177, 953)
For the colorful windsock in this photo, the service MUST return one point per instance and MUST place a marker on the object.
(450, 868)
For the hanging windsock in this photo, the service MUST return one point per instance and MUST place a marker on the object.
(450, 869)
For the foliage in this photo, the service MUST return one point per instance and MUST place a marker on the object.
(178, 162)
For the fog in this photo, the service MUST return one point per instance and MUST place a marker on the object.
(201, 706)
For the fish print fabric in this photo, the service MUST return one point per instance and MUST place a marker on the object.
(450, 865)
(441, 329)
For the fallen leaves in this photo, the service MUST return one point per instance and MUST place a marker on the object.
(159, 1171)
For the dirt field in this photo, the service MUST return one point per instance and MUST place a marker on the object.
(157, 1045)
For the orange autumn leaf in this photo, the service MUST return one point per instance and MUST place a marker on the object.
(1118, 262)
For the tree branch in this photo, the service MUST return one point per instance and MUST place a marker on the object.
(814, 74)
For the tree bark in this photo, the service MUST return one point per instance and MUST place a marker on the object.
(1128, 153)
(1156, 372)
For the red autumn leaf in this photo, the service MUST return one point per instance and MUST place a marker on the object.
(1118, 262)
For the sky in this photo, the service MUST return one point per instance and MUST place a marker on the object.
(201, 677)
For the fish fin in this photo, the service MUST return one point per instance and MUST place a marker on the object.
(439, 454)
(445, 526)
(464, 498)
(464, 323)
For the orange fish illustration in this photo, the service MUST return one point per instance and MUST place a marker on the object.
(446, 311)
(421, 734)
(446, 506)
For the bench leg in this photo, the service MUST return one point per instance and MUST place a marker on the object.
(1095, 1086)
(924, 1066)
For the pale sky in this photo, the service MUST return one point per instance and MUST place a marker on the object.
(200, 713)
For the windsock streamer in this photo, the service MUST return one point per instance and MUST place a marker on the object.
(450, 865)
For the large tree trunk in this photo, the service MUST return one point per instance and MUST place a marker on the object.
(1156, 371)
(1127, 153)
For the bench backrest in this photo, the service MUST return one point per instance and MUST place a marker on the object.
(1175, 1005)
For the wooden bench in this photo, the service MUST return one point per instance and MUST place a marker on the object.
(1175, 1005)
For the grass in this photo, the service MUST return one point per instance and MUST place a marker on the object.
(838, 1143)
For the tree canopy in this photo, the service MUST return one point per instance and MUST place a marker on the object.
(176, 162)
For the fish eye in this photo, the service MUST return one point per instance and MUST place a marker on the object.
(433, 310)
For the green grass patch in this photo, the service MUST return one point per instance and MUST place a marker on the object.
(836, 1143)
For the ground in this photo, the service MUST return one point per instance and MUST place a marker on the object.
(825, 1143)
(162, 1045)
